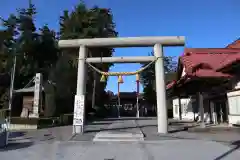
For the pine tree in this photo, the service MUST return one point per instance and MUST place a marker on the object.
(36, 50)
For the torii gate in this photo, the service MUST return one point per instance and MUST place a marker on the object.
(157, 42)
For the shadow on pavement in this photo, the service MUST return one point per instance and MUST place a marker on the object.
(15, 146)
(99, 123)
(175, 130)
(108, 129)
(179, 129)
(16, 134)
(212, 129)
(125, 118)
(236, 145)
(183, 128)
(25, 138)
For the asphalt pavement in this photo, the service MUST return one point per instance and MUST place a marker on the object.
(59, 143)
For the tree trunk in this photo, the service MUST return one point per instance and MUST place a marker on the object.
(50, 106)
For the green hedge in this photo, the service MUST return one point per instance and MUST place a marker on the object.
(32, 121)
(65, 119)
(21, 120)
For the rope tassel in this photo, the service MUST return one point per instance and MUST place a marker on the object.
(103, 78)
(137, 78)
(120, 79)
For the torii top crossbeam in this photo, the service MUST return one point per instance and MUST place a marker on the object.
(124, 42)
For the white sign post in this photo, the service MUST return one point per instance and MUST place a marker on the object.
(78, 116)
(37, 95)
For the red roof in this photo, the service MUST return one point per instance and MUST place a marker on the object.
(234, 58)
(235, 44)
(208, 73)
(215, 62)
(211, 50)
(192, 61)
(207, 63)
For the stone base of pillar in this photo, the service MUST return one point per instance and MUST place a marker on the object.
(230, 125)
(202, 125)
(24, 112)
(32, 115)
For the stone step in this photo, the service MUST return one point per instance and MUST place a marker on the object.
(120, 131)
(107, 136)
(117, 139)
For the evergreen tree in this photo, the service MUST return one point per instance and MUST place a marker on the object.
(148, 78)
(36, 50)
(85, 22)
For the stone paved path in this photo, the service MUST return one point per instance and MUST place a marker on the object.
(147, 150)
(58, 143)
(120, 131)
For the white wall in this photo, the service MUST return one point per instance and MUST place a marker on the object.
(186, 108)
(234, 103)
(234, 107)
(189, 108)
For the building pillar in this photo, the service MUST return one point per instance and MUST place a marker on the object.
(180, 108)
(162, 117)
(78, 124)
(228, 113)
(213, 112)
(201, 109)
(227, 110)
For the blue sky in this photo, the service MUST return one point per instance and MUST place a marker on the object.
(205, 23)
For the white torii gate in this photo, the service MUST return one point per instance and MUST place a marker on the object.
(157, 42)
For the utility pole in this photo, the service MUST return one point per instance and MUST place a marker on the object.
(10, 97)
(12, 85)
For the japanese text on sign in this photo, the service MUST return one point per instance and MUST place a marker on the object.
(78, 110)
